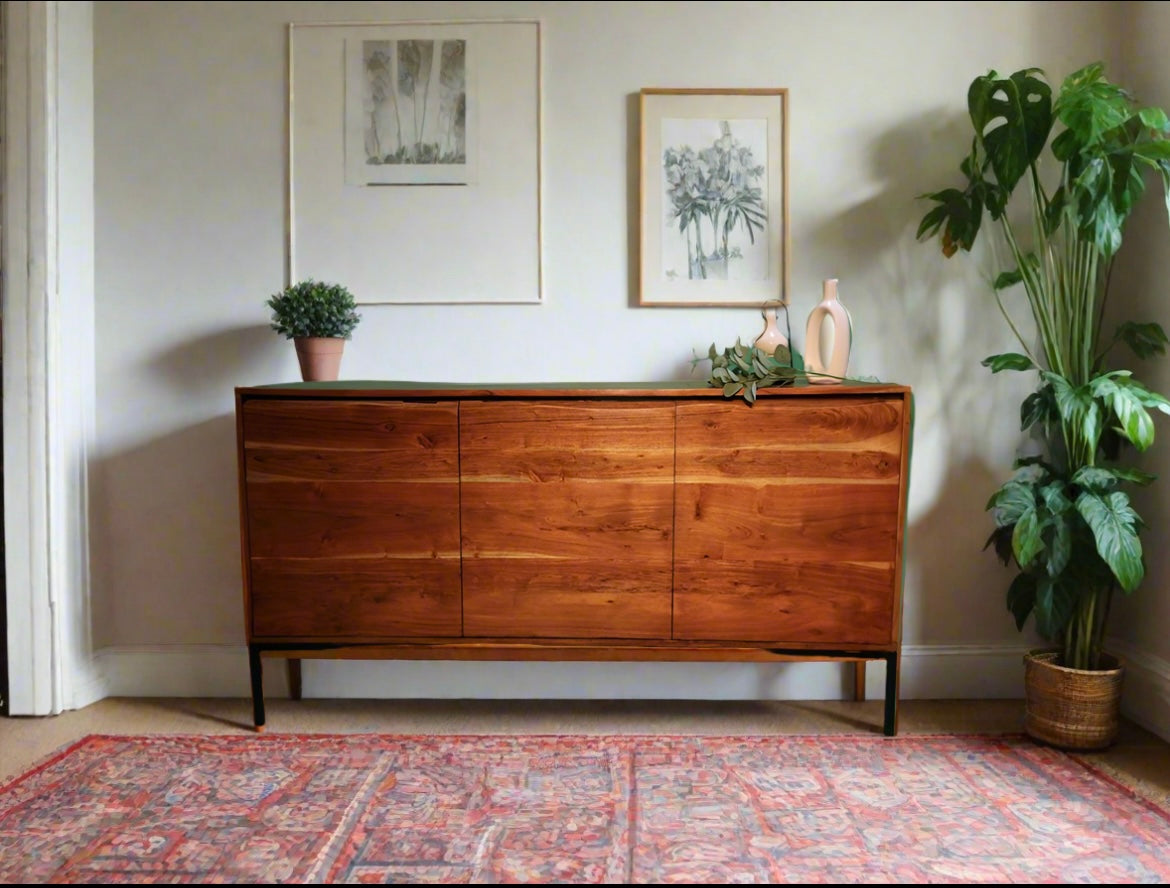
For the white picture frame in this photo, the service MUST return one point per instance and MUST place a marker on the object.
(696, 250)
(428, 232)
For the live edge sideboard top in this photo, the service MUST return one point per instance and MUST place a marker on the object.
(599, 521)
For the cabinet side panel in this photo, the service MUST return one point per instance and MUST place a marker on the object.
(567, 518)
(786, 519)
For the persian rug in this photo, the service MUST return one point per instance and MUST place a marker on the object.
(589, 809)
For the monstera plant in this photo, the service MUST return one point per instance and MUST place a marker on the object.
(1056, 177)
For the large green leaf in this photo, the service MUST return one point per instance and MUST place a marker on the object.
(1077, 407)
(1013, 117)
(1089, 105)
(1039, 407)
(1011, 501)
(1145, 340)
(1010, 361)
(1021, 598)
(1115, 529)
(1059, 545)
(1055, 603)
(1027, 540)
(1123, 394)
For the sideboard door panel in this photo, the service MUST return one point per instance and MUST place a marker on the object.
(353, 518)
(787, 516)
(567, 518)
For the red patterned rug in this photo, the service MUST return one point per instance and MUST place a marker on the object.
(635, 809)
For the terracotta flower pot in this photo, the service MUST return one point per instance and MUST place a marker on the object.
(1072, 708)
(320, 359)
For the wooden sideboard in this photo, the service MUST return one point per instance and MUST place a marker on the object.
(583, 522)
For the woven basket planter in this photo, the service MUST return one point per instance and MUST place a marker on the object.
(1076, 709)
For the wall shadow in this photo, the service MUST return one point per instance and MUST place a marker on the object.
(215, 363)
(165, 540)
(633, 195)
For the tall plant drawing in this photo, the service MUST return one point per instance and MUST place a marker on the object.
(402, 89)
(718, 185)
(453, 100)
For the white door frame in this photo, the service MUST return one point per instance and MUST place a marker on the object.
(48, 309)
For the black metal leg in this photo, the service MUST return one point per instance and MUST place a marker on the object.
(257, 671)
(294, 678)
(891, 715)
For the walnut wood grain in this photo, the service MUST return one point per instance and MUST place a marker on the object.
(342, 518)
(352, 518)
(342, 598)
(775, 545)
(575, 598)
(567, 514)
(837, 603)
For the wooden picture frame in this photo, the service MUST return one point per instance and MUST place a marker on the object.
(713, 208)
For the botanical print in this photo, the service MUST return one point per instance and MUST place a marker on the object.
(408, 112)
(404, 87)
(714, 180)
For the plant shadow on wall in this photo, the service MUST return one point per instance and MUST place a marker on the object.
(916, 325)
(1056, 176)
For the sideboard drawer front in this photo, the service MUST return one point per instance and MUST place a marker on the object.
(787, 520)
(567, 514)
(327, 479)
(572, 598)
(830, 604)
(330, 519)
(352, 518)
(355, 598)
(779, 440)
(290, 439)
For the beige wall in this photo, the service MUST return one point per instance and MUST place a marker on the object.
(190, 169)
(1141, 292)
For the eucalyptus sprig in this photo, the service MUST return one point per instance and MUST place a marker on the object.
(744, 369)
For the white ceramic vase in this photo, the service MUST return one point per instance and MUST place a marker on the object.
(828, 370)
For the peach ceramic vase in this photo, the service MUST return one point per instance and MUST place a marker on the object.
(771, 338)
(828, 370)
(319, 357)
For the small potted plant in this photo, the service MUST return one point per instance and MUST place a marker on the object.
(318, 318)
(1076, 161)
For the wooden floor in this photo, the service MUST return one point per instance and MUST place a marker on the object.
(1138, 759)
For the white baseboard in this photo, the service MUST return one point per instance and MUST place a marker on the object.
(1146, 695)
(929, 672)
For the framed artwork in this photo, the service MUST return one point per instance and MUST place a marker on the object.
(410, 107)
(714, 197)
(412, 147)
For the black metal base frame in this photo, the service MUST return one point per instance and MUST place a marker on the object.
(889, 719)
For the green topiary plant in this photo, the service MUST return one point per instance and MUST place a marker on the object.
(312, 309)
